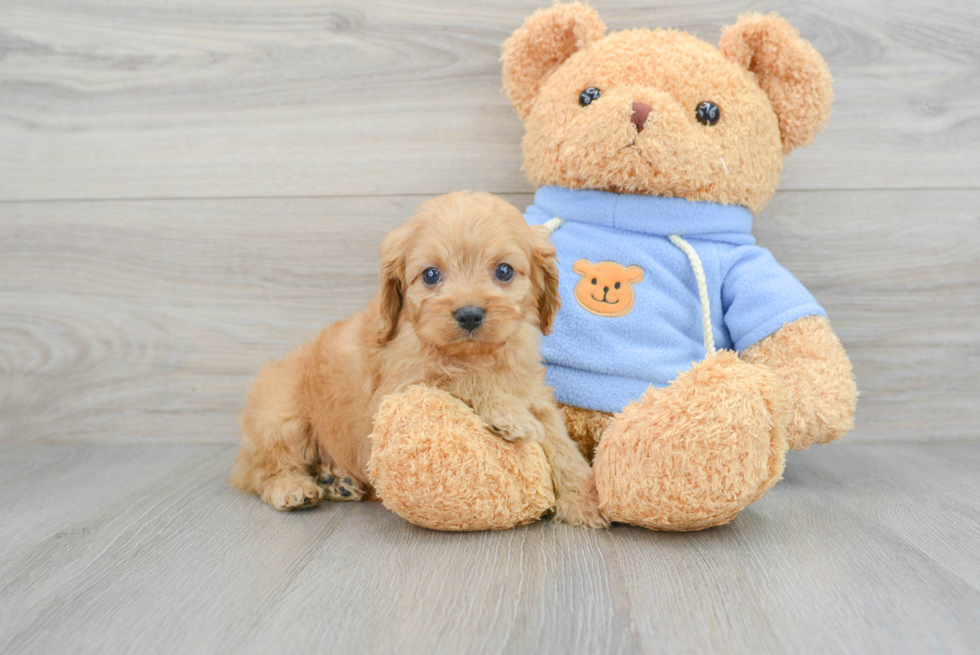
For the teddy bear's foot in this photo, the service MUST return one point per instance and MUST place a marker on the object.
(694, 454)
(434, 463)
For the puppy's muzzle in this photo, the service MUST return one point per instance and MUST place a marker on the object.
(469, 318)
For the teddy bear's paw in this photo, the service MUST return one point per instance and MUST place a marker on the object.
(434, 463)
(513, 423)
(694, 454)
(292, 491)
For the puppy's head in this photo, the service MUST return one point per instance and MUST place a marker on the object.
(465, 273)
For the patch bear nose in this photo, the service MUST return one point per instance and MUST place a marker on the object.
(469, 318)
(641, 111)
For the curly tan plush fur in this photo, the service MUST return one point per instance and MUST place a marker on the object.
(434, 463)
(811, 363)
(585, 426)
(773, 88)
(694, 454)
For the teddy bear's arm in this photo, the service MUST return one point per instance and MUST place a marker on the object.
(811, 363)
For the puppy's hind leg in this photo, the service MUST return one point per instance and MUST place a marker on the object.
(278, 455)
(339, 486)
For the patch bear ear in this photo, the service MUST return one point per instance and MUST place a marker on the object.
(789, 70)
(582, 266)
(547, 38)
(634, 274)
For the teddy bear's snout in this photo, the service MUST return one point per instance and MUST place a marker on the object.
(641, 111)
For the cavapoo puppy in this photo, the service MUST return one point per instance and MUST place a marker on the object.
(467, 288)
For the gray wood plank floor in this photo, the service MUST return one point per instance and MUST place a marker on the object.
(144, 549)
(188, 189)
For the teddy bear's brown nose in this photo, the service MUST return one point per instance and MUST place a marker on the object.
(641, 111)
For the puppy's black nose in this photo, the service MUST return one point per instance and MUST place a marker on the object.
(469, 318)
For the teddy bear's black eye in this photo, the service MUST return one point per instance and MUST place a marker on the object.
(431, 276)
(504, 272)
(593, 280)
(708, 113)
(617, 285)
(586, 97)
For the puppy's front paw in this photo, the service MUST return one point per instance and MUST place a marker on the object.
(580, 508)
(289, 492)
(516, 424)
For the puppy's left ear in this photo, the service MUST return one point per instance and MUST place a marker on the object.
(789, 70)
(394, 250)
(544, 277)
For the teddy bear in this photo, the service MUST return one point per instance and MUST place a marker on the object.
(685, 359)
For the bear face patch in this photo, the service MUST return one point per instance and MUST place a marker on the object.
(606, 288)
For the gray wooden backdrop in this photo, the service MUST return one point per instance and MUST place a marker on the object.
(188, 189)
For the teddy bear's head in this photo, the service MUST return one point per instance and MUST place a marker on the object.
(661, 112)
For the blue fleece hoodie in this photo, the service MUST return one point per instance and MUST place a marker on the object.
(605, 362)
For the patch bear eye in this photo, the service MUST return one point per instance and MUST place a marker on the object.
(431, 276)
(707, 113)
(593, 280)
(617, 285)
(586, 97)
(504, 272)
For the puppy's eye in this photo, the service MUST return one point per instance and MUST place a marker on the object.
(431, 276)
(617, 285)
(586, 97)
(504, 272)
(707, 113)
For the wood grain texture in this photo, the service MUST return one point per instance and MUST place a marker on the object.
(146, 321)
(150, 99)
(861, 549)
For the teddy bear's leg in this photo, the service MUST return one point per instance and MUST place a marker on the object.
(810, 361)
(585, 426)
(694, 454)
(435, 463)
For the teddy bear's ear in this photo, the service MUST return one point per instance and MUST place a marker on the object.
(547, 38)
(789, 70)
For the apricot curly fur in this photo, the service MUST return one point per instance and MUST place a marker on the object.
(314, 411)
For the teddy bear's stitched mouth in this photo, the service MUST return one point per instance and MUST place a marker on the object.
(639, 154)
(603, 300)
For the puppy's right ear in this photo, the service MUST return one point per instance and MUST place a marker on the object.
(394, 250)
(547, 38)
(544, 278)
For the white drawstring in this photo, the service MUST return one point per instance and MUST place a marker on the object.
(709, 338)
(552, 224)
